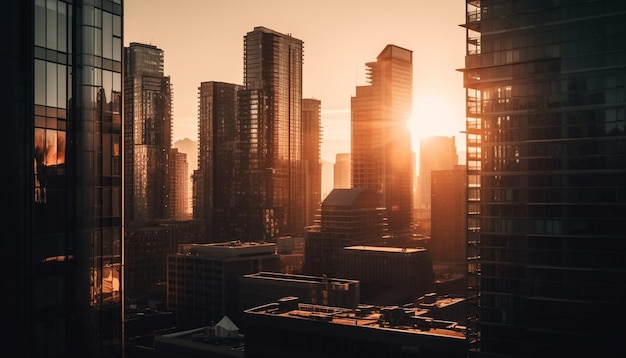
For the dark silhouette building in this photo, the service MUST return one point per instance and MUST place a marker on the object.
(147, 134)
(546, 162)
(449, 217)
(311, 155)
(388, 275)
(382, 159)
(202, 279)
(288, 328)
(217, 153)
(261, 288)
(348, 217)
(62, 133)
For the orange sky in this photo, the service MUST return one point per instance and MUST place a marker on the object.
(203, 41)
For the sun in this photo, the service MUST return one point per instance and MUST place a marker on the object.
(434, 116)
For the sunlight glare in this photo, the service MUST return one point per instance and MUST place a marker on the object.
(433, 116)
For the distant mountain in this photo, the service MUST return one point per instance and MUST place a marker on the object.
(189, 147)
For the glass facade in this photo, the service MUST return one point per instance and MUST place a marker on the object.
(64, 128)
(273, 76)
(546, 156)
(382, 159)
(147, 134)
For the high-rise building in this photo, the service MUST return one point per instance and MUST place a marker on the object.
(546, 163)
(311, 154)
(347, 217)
(270, 165)
(449, 217)
(179, 185)
(217, 150)
(382, 158)
(147, 134)
(341, 171)
(62, 132)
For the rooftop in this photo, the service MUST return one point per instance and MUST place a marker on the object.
(407, 319)
(385, 249)
(234, 248)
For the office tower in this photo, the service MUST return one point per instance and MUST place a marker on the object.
(449, 217)
(381, 143)
(62, 221)
(546, 160)
(348, 217)
(147, 134)
(217, 145)
(179, 185)
(270, 171)
(311, 155)
(341, 171)
(202, 279)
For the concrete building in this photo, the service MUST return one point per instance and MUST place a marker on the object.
(265, 287)
(288, 328)
(202, 278)
(546, 103)
(382, 158)
(62, 189)
(449, 218)
(388, 275)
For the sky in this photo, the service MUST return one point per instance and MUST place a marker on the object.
(202, 41)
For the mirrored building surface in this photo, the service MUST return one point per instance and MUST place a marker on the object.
(62, 131)
(546, 161)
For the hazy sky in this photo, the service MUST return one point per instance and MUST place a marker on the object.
(202, 40)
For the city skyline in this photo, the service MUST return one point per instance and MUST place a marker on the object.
(334, 55)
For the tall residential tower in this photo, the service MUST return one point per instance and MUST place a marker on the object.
(546, 161)
(62, 198)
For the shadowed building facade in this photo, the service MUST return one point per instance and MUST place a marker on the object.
(217, 148)
(546, 160)
(312, 161)
(382, 159)
(62, 132)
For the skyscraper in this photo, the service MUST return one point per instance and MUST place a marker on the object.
(217, 138)
(147, 134)
(312, 161)
(382, 159)
(270, 167)
(341, 171)
(546, 159)
(62, 252)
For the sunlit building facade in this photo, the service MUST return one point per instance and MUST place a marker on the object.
(217, 149)
(270, 171)
(546, 160)
(312, 161)
(382, 159)
(147, 134)
(62, 224)
(341, 171)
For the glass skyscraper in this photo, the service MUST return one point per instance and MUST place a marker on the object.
(62, 133)
(270, 163)
(147, 134)
(382, 159)
(546, 157)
